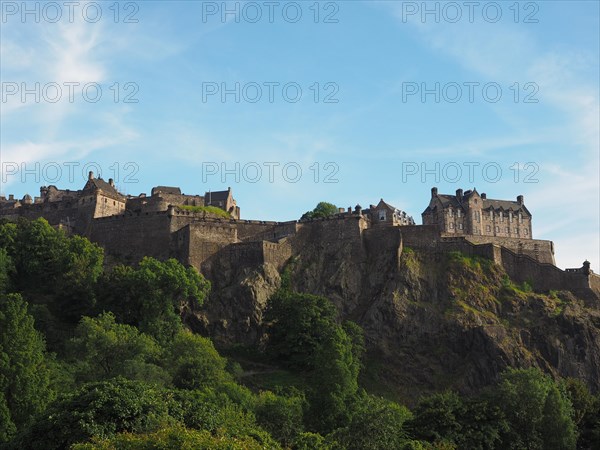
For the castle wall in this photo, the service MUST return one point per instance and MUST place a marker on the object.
(384, 241)
(261, 231)
(277, 253)
(132, 237)
(333, 229)
(107, 206)
(420, 236)
(540, 250)
(252, 229)
(205, 239)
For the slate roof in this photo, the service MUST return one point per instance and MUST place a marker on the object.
(216, 196)
(166, 190)
(488, 203)
(100, 184)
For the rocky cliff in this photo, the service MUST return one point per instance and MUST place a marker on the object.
(431, 321)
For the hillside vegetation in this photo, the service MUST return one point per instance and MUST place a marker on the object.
(95, 358)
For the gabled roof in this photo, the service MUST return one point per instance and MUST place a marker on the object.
(216, 196)
(166, 190)
(450, 201)
(95, 184)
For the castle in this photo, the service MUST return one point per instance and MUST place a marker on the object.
(169, 224)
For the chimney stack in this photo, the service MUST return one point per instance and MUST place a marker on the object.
(90, 175)
(483, 195)
(111, 182)
(459, 194)
(520, 200)
(434, 192)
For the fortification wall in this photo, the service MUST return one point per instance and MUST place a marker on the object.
(459, 244)
(132, 237)
(53, 212)
(256, 231)
(540, 250)
(595, 284)
(420, 236)
(277, 253)
(204, 239)
(384, 241)
(545, 277)
(333, 229)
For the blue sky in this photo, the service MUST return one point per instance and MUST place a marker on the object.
(526, 120)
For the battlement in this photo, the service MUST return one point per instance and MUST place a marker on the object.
(161, 226)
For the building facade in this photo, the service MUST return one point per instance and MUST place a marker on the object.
(471, 213)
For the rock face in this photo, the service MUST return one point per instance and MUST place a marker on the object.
(431, 321)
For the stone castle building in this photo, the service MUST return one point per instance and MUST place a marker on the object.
(170, 224)
(469, 213)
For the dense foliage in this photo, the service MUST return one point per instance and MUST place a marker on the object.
(94, 359)
(322, 210)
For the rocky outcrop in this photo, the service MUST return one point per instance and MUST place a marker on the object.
(431, 321)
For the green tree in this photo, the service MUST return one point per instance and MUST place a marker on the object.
(52, 268)
(280, 416)
(99, 410)
(103, 349)
(437, 417)
(174, 438)
(333, 382)
(322, 210)
(557, 423)
(7, 270)
(376, 424)
(530, 401)
(304, 335)
(152, 295)
(194, 362)
(24, 375)
(297, 325)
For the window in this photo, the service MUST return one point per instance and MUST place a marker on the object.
(451, 226)
(507, 230)
(525, 231)
(460, 226)
(488, 228)
(516, 230)
(501, 217)
(497, 229)
(450, 212)
(381, 215)
(458, 213)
